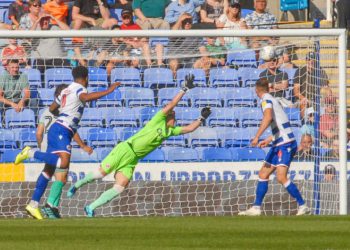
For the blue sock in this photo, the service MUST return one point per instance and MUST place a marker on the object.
(294, 192)
(48, 158)
(40, 187)
(261, 190)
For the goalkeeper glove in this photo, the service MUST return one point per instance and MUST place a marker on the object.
(188, 83)
(205, 113)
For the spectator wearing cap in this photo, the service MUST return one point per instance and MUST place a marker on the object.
(135, 43)
(308, 126)
(150, 13)
(28, 19)
(278, 80)
(91, 13)
(177, 8)
(305, 151)
(306, 79)
(16, 10)
(58, 9)
(232, 21)
(329, 125)
(329, 172)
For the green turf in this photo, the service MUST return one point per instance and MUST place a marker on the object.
(311, 232)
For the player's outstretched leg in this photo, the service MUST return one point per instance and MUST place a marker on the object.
(28, 152)
(23, 155)
(87, 179)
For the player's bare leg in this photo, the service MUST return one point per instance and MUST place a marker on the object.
(261, 189)
(120, 184)
(292, 189)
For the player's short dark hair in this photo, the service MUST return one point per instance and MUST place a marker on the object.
(262, 83)
(80, 72)
(59, 89)
(13, 61)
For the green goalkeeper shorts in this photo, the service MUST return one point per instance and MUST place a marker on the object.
(121, 159)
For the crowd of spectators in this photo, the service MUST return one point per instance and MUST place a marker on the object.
(139, 52)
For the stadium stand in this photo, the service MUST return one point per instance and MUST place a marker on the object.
(247, 154)
(203, 97)
(157, 78)
(182, 155)
(7, 139)
(165, 95)
(26, 118)
(199, 76)
(120, 117)
(216, 154)
(128, 77)
(223, 77)
(98, 77)
(155, 156)
(56, 76)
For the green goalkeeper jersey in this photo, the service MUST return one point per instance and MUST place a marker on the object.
(152, 135)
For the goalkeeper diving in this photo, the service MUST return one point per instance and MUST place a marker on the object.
(124, 157)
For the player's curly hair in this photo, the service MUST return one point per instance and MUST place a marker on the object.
(80, 72)
(59, 89)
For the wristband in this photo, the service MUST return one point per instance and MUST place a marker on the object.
(184, 89)
(201, 119)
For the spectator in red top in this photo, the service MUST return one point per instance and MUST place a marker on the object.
(13, 51)
(135, 42)
(16, 10)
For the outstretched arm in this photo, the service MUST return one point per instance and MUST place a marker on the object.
(187, 85)
(205, 113)
(263, 126)
(87, 97)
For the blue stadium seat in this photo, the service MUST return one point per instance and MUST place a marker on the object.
(128, 77)
(102, 137)
(294, 116)
(97, 77)
(158, 78)
(120, 117)
(203, 97)
(146, 114)
(28, 138)
(249, 76)
(249, 117)
(217, 154)
(57, 76)
(236, 137)
(46, 96)
(182, 155)
(79, 155)
(247, 154)
(22, 119)
(203, 137)
(91, 117)
(222, 77)
(156, 155)
(245, 12)
(242, 58)
(34, 78)
(238, 97)
(297, 134)
(134, 97)
(165, 95)
(111, 100)
(7, 139)
(185, 115)
(175, 141)
(153, 41)
(9, 155)
(291, 75)
(84, 132)
(126, 133)
(199, 77)
(223, 117)
(117, 14)
(4, 15)
(102, 153)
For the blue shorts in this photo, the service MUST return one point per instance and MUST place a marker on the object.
(59, 139)
(282, 155)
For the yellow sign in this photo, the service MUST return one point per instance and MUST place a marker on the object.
(10, 172)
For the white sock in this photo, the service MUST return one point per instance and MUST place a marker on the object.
(34, 204)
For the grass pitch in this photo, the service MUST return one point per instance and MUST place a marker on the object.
(311, 232)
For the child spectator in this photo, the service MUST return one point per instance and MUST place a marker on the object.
(16, 10)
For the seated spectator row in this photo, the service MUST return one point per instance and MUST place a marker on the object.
(152, 77)
(139, 116)
(107, 137)
(168, 154)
